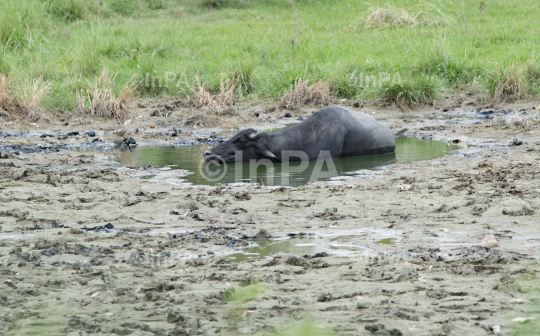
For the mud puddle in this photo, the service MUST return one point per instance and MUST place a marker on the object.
(299, 246)
(189, 160)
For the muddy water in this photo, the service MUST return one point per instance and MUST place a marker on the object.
(263, 248)
(189, 158)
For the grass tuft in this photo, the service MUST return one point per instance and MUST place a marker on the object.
(6, 100)
(421, 90)
(99, 100)
(345, 86)
(301, 93)
(246, 81)
(66, 10)
(215, 104)
(441, 63)
(21, 22)
(532, 76)
(390, 16)
(218, 4)
(124, 7)
(507, 84)
(29, 98)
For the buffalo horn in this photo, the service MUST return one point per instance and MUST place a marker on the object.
(269, 154)
(255, 136)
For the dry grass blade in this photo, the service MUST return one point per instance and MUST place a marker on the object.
(302, 93)
(509, 84)
(390, 16)
(30, 96)
(6, 100)
(101, 100)
(215, 104)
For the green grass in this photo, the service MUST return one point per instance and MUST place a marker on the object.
(68, 42)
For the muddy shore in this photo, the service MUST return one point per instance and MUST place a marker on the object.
(88, 247)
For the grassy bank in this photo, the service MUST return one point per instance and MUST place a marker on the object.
(408, 52)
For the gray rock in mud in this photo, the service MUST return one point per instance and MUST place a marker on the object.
(10, 284)
(122, 332)
(401, 277)
(516, 142)
(407, 316)
(296, 261)
(191, 206)
(325, 297)
(175, 317)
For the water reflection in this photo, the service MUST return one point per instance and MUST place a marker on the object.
(190, 158)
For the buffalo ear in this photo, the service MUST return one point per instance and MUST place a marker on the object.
(269, 154)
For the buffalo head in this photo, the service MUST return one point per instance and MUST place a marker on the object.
(249, 142)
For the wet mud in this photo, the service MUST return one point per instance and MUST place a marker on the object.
(87, 247)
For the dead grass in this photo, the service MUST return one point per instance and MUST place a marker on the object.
(6, 100)
(220, 104)
(99, 100)
(301, 93)
(30, 96)
(390, 16)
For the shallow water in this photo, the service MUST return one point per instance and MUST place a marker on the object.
(189, 158)
(263, 248)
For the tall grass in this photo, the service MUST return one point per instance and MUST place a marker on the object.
(507, 83)
(68, 42)
(440, 62)
(22, 22)
(67, 10)
(412, 92)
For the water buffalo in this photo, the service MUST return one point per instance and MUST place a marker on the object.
(334, 129)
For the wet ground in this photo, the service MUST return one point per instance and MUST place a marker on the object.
(87, 246)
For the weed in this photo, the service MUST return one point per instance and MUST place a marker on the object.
(66, 10)
(390, 16)
(99, 99)
(6, 100)
(29, 97)
(441, 63)
(216, 104)
(507, 84)
(246, 81)
(301, 93)
(245, 294)
(420, 90)
(532, 76)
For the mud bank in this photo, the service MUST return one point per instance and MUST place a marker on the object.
(88, 247)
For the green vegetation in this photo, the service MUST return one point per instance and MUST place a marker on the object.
(437, 48)
(247, 293)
